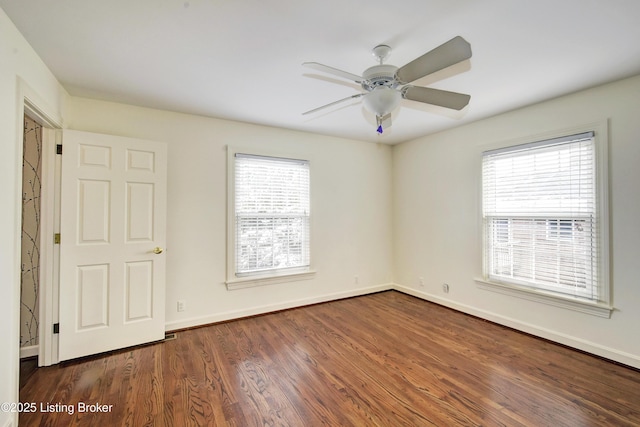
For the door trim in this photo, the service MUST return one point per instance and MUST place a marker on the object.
(49, 252)
(31, 103)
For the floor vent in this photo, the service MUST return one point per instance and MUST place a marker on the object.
(170, 336)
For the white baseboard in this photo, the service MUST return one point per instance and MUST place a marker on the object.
(561, 338)
(28, 351)
(253, 311)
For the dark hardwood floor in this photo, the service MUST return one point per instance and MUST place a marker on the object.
(385, 359)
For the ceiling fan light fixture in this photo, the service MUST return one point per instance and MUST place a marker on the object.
(382, 100)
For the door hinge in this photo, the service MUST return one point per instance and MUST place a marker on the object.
(56, 239)
(56, 328)
(59, 149)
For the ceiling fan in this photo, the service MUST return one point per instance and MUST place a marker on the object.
(385, 85)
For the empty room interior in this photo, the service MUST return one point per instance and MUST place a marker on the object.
(320, 213)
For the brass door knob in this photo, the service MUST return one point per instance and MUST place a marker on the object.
(157, 250)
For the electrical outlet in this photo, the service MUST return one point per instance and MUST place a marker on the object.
(356, 279)
(182, 305)
(445, 288)
(421, 281)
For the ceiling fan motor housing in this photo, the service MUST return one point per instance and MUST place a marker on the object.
(379, 75)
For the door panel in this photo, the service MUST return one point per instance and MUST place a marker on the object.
(93, 294)
(113, 214)
(94, 211)
(139, 283)
(140, 212)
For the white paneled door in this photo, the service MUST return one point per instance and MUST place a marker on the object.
(112, 260)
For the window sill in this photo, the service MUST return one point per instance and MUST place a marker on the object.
(271, 279)
(568, 302)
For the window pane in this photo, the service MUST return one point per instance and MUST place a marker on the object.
(265, 243)
(550, 180)
(540, 216)
(535, 252)
(272, 213)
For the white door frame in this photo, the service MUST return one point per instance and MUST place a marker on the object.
(30, 103)
(49, 252)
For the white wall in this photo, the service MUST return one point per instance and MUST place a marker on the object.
(437, 231)
(351, 209)
(21, 72)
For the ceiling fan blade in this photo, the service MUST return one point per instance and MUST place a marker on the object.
(358, 95)
(442, 98)
(455, 50)
(330, 70)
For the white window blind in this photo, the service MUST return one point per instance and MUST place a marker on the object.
(271, 213)
(540, 215)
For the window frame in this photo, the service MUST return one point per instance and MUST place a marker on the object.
(237, 280)
(602, 307)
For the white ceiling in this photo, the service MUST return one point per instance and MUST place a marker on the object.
(241, 59)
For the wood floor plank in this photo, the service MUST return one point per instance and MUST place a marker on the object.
(384, 359)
